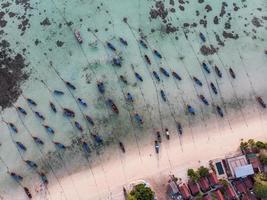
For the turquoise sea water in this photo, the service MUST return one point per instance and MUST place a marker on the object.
(52, 54)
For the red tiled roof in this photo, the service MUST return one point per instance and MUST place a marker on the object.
(193, 188)
(248, 183)
(204, 184)
(218, 195)
(213, 178)
(255, 162)
(240, 187)
(230, 192)
(207, 197)
(184, 191)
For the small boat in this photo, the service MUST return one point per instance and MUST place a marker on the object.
(197, 81)
(97, 139)
(31, 102)
(157, 53)
(101, 87)
(129, 97)
(203, 99)
(31, 164)
(82, 102)
(155, 74)
(167, 133)
(27, 192)
(202, 37)
(16, 177)
(39, 115)
(21, 110)
(158, 136)
(53, 107)
(125, 193)
(38, 140)
(143, 44)
(43, 178)
(218, 71)
(214, 89)
(111, 46)
(232, 73)
(157, 146)
(219, 111)
(71, 86)
(138, 76)
(86, 148)
(49, 129)
(21, 146)
(175, 75)
(78, 36)
(59, 145)
(89, 120)
(147, 59)
(122, 147)
(163, 71)
(123, 79)
(58, 92)
(261, 102)
(13, 127)
(179, 128)
(190, 109)
(205, 67)
(163, 96)
(78, 126)
(138, 118)
(116, 62)
(69, 113)
(113, 106)
(123, 41)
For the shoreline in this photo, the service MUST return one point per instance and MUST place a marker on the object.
(113, 174)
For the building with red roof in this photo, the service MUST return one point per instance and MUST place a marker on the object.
(204, 184)
(254, 160)
(184, 191)
(240, 186)
(193, 187)
(218, 195)
(213, 179)
(207, 197)
(230, 192)
(248, 183)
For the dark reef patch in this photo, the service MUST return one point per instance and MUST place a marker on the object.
(230, 35)
(11, 74)
(256, 22)
(208, 50)
(59, 43)
(45, 22)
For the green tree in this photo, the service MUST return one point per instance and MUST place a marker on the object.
(263, 158)
(194, 176)
(243, 146)
(260, 145)
(224, 182)
(203, 171)
(260, 186)
(141, 192)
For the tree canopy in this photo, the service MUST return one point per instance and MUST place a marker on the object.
(141, 192)
(260, 186)
(193, 175)
(203, 171)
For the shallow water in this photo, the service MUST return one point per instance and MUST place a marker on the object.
(43, 33)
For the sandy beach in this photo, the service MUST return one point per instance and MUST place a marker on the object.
(122, 169)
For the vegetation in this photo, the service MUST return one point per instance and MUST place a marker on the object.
(193, 175)
(252, 145)
(203, 171)
(263, 158)
(141, 192)
(260, 186)
(223, 182)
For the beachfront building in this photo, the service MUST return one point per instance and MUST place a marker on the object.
(254, 160)
(239, 166)
(219, 168)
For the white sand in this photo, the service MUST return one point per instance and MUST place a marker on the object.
(171, 160)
